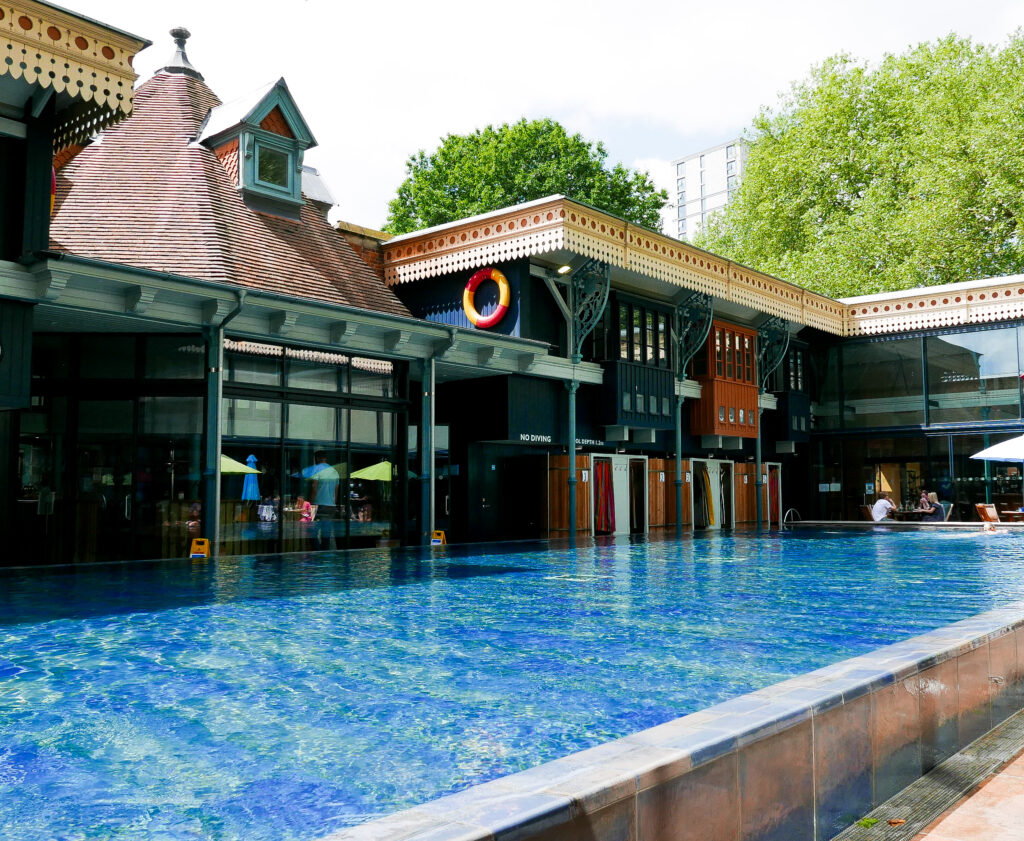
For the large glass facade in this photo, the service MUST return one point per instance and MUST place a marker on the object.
(964, 377)
(109, 457)
(960, 389)
(321, 430)
(110, 454)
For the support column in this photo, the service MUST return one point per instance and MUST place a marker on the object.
(572, 386)
(679, 465)
(214, 337)
(758, 484)
(772, 345)
(427, 513)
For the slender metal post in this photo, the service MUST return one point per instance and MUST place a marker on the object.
(432, 461)
(427, 453)
(573, 385)
(758, 484)
(679, 465)
(772, 345)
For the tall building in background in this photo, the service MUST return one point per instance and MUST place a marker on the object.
(705, 182)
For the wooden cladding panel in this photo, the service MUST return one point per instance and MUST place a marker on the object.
(746, 494)
(661, 496)
(558, 496)
(704, 413)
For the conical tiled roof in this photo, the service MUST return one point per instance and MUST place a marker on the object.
(148, 196)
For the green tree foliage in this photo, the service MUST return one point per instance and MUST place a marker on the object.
(907, 174)
(518, 162)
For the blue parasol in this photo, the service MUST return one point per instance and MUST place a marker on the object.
(251, 484)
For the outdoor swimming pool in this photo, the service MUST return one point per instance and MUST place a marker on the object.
(284, 699)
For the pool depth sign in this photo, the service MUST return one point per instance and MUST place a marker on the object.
(504, 296)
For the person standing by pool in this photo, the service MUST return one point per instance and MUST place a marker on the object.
(324, 495)
(883, 508)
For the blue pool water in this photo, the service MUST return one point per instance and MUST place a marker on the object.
(283, 699)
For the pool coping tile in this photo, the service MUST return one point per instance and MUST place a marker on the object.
(581, 784)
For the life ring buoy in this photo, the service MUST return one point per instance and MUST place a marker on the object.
(504, 296)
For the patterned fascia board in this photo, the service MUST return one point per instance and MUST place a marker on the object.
(89, 61)
(1002, 299)
(561, 224)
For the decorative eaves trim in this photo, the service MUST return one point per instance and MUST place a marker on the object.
(544, 227)
(90, 62)
(1002, 299)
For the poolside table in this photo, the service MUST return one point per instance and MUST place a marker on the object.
(1012, 516)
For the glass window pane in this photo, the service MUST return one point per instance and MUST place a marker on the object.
(272, 166)
(649, 335)
(372, 377)
(883, 384)
(254, 367)
(312, 423)
(663, 359)
(51, 357)
(105, 417)
(252, 419)
(623, 332)
(107, 357)
(372, 428)
(638, 343)
(250, 511)
(175, 357)
(171, 415)
(315, 376)
(825, 388)
(973, 376)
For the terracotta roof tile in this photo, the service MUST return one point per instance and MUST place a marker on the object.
(148, 196)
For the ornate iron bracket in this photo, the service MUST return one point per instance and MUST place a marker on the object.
(588, 295)
(693, 316)
(772, 345)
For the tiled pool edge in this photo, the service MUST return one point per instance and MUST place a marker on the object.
(796, 761)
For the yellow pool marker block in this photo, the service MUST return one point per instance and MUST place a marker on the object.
(200, 548)
(438, 539)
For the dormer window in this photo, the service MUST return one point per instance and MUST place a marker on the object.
(272, 166)
(260, 140)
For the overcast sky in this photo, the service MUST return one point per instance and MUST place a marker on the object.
(654, 80)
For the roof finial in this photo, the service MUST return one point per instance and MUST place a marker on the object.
(180, 62)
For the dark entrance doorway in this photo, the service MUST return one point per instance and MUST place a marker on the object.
(637, 496)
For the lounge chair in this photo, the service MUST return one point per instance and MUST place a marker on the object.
(865, 511)
(987, 512)
(948, 506)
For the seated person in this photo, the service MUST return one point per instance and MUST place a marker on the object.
(883, 508)
(935, 512)
(305, 510)
(922, 503)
